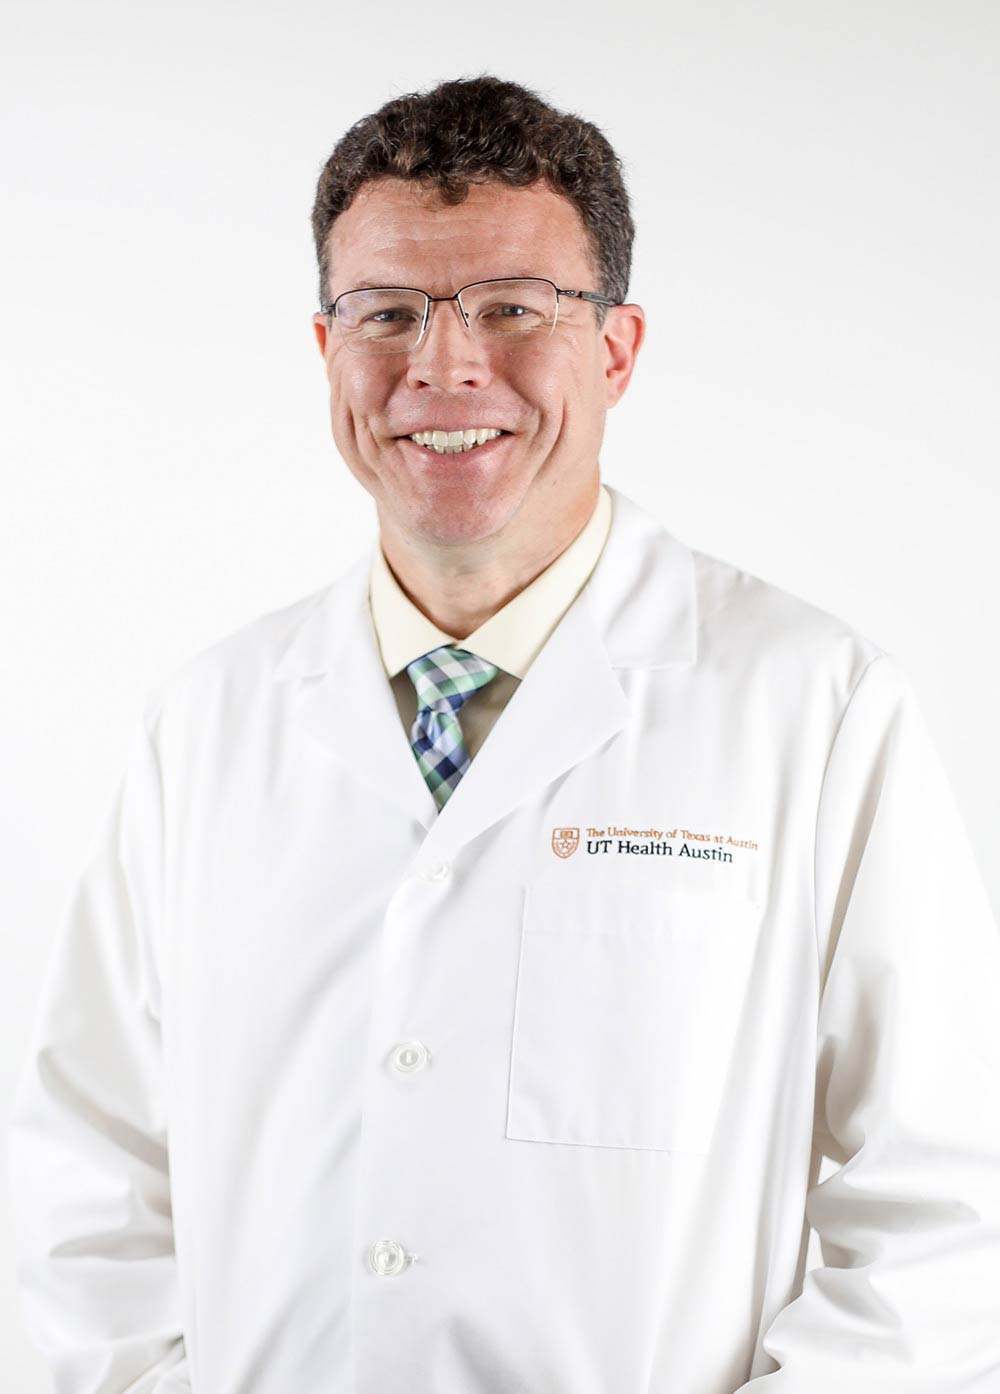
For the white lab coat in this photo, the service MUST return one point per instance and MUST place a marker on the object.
(574, 1093)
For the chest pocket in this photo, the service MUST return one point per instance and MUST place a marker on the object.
(626, 1010)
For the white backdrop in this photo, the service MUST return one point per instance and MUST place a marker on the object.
(815, 192)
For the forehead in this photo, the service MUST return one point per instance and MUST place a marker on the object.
(397, 232)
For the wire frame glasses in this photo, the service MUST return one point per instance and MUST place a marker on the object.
(508, 311)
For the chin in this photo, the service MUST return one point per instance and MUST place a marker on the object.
(457, 516)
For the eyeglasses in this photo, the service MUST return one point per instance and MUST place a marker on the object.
(511, 310)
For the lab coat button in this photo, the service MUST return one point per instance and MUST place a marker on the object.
(386, 1257)
(434, 871)
(410, 1055)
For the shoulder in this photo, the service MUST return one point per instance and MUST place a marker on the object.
(235, 668)
(765, 632)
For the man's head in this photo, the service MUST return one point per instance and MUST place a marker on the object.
(476, 180)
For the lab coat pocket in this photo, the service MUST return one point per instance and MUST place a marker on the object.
(627, 1003)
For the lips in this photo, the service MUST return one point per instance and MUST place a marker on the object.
(424, 453)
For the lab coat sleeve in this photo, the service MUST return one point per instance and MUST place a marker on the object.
(87, 1133)
(907, 1101)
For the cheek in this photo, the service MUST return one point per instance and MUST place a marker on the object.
(544, 382)
(356, 398)
(559, 388)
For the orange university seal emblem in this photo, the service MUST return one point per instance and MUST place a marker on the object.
(565, 841)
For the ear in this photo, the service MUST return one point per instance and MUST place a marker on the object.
(321, 329)
(622, 333)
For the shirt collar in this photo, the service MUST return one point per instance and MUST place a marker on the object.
(514, 635)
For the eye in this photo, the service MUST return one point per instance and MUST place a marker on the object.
(522, 308)
(380, 316)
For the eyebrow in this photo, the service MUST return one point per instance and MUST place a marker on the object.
(390, 285)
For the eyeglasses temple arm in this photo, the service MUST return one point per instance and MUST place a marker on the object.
(588, 295)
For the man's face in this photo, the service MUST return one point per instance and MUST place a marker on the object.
(549, 396)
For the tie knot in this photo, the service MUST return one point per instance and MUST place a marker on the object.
(446, 676)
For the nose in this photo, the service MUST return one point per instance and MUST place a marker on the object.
(448, 355)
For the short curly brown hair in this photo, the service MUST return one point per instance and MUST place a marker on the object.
(473, 130)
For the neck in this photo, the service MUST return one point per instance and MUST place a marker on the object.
(460, 586)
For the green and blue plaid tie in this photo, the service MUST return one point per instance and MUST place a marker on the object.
(444, 679)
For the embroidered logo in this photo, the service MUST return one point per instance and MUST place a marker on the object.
(565, 841)
(613, 840)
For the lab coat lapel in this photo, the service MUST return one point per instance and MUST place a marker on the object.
(637, 610)
(343, 697)
(568, 704)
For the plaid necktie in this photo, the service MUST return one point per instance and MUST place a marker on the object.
(444, 679)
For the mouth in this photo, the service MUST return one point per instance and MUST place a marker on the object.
(478, 440)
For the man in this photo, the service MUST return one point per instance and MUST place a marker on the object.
(484, 952)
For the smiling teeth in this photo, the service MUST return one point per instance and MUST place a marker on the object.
(456, 442)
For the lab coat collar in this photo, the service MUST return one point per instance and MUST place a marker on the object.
(638, 609)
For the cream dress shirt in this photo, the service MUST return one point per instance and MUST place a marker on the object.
(511, 638)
